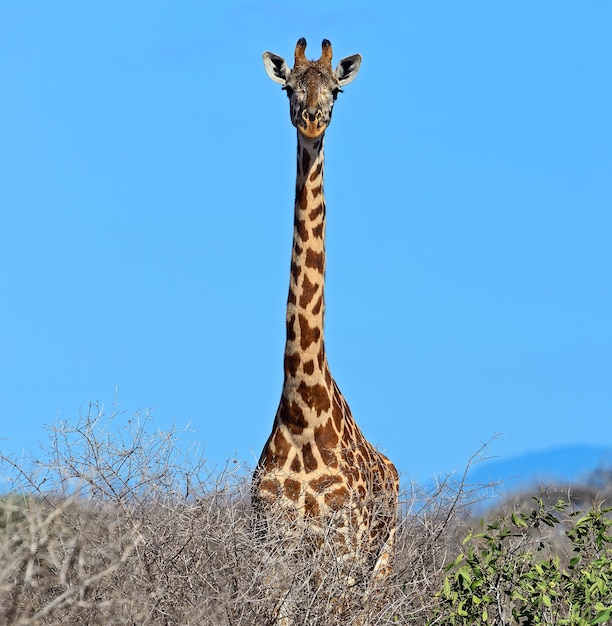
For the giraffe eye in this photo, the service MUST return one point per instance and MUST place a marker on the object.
(335, 92)
(288, 90)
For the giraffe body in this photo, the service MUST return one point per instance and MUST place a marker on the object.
(316, 465)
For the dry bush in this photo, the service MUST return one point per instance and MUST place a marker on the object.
(117, 523)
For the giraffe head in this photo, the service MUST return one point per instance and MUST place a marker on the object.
(312, 86)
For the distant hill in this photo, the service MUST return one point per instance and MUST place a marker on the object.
(569, 464)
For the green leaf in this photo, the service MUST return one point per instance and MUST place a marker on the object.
(447, 588)
(518, 520)
(516, 595)
(574, 561)
(463, 577)
(604, 616)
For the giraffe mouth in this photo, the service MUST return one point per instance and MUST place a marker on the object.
(312, 130)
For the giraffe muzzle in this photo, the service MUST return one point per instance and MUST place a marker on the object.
(312, 124)
(312, 115)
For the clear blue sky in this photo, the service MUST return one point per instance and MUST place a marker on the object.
(147, 171)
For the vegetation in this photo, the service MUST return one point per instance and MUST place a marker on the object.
(513, 573)
(117, 523)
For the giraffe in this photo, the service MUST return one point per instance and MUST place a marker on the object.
(316, 464)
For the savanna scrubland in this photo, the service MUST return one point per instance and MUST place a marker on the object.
(117, 522)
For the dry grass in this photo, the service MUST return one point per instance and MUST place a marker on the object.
(116, 524)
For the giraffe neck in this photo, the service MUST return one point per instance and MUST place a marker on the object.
(305, 360)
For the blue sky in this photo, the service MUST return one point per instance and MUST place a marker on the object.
(146, 195)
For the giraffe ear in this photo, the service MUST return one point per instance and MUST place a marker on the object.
(276, 67)
(347, 69)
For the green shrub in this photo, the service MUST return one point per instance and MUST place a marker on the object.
(526, 569)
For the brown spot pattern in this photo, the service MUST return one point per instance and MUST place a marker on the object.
(308, 335)
(308, 291)
(328, 378)
(280, 445)
(290, 329)
(337, 414)
(303, 200)
(324, 483)
(336, 499)
(292, 489)
(310, 462)
(296, 465)
(311, 505)
(295, 270)
(317, 231)
(329, 458)
(326, 436)
(291, 414)
(269, 486)
(314, 213)
(314, 260)
(349, 457)
(347, 435)
(269, 458)
(316, 172)
(300, 227)
(292, 363)
(314, 396)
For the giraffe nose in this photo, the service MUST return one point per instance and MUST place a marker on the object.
(312, 115)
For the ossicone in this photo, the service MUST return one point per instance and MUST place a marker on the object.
(300, 51)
